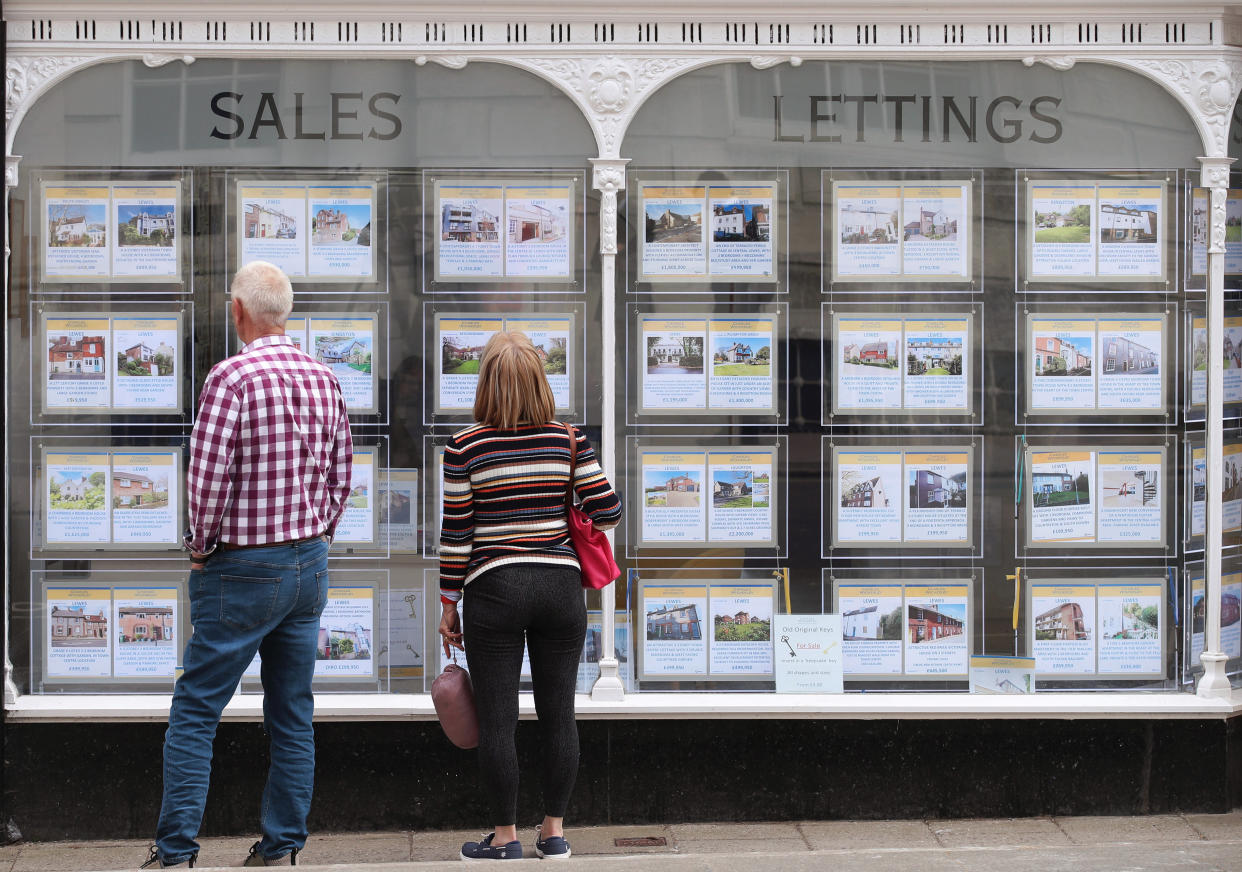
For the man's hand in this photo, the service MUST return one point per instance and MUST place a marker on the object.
(197, 561)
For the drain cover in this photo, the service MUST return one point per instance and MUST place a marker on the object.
(641, 842)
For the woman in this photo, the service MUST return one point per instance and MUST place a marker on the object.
(504, 546)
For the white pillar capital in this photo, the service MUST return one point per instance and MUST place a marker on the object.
(608, 178)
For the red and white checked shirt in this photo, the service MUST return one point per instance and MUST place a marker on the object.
(271, 454)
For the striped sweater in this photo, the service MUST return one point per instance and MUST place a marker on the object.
(504, 500)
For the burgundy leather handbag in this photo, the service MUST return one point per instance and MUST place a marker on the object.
(599, 569)
(453, 697)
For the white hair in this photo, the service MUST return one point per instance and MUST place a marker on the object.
(264, 291)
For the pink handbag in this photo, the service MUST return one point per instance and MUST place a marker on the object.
(599, 569)
(453, 697)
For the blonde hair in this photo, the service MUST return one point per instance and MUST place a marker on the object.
(512, 386)
(265, 291)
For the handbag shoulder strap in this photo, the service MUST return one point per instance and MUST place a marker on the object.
(573, 465)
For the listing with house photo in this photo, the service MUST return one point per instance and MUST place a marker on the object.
(1233, 233)
(77, 500)
(742, 229)
(937, 631)
(1199, 361)
(346, 646)
(1233, 361)
(461, 342)
(1130, 222)
(674, 376)
(937, 498)
(936, 230)
(79, 640)
(868, 497)
(1062, 222)
(538, 231)
(1131, 359)
(272, 225)
(1063, 628)
(1230, 615)
(346, 346)
(1131, 496)
(1063, 364)
(469, 245)
(1199, 231)
(397, 494)
(342, 222)
(1232, 487)
(147, 640)
(866, 354)
(741, 632)
(1130, 619)
(675, 637)
(146, 235)
(743, 357)
(866, 234)
(1197, 490)
(1061, 493)
(552, 336)
(937, 362)
(77, 374)
(357, 523)
(742, 496)
(147, 377)
(75, 233)
(872, 627)
(673, 509)
(145, 495)
(673, 243)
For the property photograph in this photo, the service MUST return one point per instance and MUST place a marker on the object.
(680, 355)
(1233, 347)
(76, 358)
(761, 490)
(1062, 224)
(681, 488)
(929, 624)
(675, 623)
(357, 498)
(340, 225)
(1068, 484)
(344, 354)
(1122, 356)
(470, 220)
(79, 627)
(260, 221)
(680, 223)
(344, 642)
(1120, 619)
(138, 491)
(870, 623)
(731, 489)
(143, 359)
(741, 222)
(1064, 622)
(934, 355)
(1121, 223)
(1198, 478)
(145, 625)
(460, 355)
(1061, 355)
(531, 223)
(146, 225)
(932, 489)
(394, 506)
(1119, 487)
(866, 225)
(753, 625)
(736, 356)
(932, 222)
(552, 354)
(867, 490)
(880, 354)
(1232, 478)
(77, 226)
(77, 491)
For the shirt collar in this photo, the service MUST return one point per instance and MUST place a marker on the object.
(265, 341)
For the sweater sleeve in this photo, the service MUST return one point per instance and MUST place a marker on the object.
(457, 524)
(594, 492)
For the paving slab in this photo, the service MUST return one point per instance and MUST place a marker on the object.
(589, 841)
(221, 850)
(446, 844)
(1217, 826)
(860, 835)
(741, 838)
(995, 832)
(71, 857)
(1107, 830)
(1132, 857)
(356, 848)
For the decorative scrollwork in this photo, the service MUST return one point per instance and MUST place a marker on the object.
(1057, 62)
(453, 62)
(1208, 88)
(25, 76)
(766, 62)
(609, 179)
(153, 60)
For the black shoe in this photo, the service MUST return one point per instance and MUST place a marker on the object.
(485, 850)
(257, 859)
(154, 861)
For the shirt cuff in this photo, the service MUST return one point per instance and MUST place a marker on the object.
(450, 597)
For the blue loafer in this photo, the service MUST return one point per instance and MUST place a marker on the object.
(551, 848)
(485, 850)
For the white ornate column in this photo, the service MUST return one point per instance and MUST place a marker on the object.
(609, 179)
(1215, 177)
(10, 688)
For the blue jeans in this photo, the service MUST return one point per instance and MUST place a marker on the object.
(265, 599)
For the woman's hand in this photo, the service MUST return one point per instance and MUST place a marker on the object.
(450, 628)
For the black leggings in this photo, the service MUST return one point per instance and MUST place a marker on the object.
(542, 606)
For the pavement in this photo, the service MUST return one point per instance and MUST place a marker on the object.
(1198, 842)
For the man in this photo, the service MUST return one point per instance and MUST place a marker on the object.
(270, 463)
